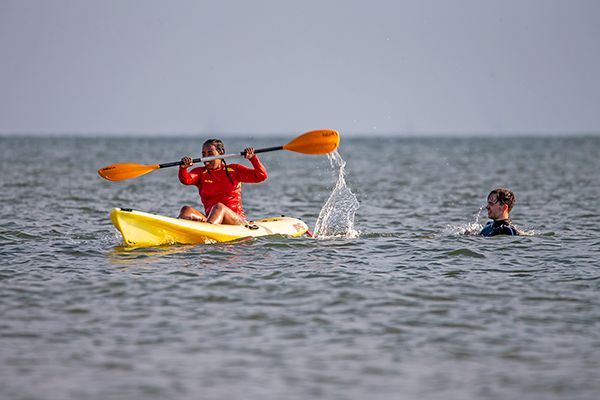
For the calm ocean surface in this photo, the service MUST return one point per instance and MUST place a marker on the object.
(406, 307)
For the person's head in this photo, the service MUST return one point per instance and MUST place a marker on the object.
(500, 202)
(213, 147)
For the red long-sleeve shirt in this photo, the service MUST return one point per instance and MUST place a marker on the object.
(215, 187)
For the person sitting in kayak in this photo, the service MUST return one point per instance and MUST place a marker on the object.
(499, 204)
(220, 185)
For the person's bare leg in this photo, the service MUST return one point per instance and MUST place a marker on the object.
(221, 214)
(191, 213)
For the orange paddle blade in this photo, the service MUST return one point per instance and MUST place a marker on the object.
(321, 141)
(120, 172)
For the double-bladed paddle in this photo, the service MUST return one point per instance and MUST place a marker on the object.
(321, 141)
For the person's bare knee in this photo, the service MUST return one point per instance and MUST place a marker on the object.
(184, 211)
(221, 214)
(191, 213)
(216, 214)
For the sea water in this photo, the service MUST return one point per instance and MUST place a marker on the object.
(391, 300)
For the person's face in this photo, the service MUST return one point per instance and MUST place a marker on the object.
(208, 151)
(494, 208)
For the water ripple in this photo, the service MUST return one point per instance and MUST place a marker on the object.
(411, 307)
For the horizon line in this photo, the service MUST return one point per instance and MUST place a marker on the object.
(512, 134)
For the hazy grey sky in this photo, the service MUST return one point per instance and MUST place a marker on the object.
(256, 66)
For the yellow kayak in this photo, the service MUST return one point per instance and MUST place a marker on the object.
(144, 229)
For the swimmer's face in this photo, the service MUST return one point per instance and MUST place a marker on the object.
(494, 208)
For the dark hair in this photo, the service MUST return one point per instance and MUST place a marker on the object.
(218, 143)
(220, 147)
(504, 196)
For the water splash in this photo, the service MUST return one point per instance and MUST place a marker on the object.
(470, 228)
(336, 219)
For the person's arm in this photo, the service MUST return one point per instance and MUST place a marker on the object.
(186, 177)
(252, 175)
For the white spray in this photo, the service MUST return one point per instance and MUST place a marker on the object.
(336, 218)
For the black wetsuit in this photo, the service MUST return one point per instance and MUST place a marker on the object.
(500, 227)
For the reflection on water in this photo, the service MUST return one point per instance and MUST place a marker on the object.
(229, 253)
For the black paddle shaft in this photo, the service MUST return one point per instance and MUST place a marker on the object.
(242, 153)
